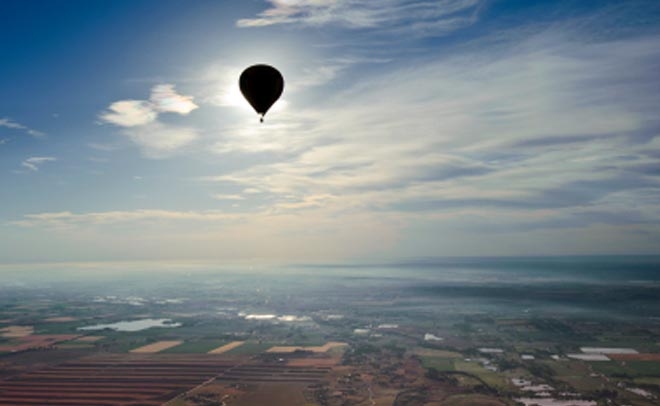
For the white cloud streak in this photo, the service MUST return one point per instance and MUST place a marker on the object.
(66, 218)
(222, 196)
(398, 16)
(211, 234)
(11, 124)
(33, 163)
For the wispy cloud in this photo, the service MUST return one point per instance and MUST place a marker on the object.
(66, 218)
(103, 147)
(520, 128)
(221, 196)
(33, 163)
(9, 123)
(214, 234)
(139, 118)
(417, 17)
(158, 140)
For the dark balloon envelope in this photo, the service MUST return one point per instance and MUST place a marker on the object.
(261, 86)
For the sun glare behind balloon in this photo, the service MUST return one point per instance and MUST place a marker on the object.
(230, 95)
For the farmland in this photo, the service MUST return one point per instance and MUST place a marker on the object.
(227, 347)
(156, 347)
(304, 339)
(319, 349)
(141, 379)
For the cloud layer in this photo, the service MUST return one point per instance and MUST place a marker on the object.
(527, 139)
(519, 139)
(543, 132)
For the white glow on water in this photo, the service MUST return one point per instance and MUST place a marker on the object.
(131, 326)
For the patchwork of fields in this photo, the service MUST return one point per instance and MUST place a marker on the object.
(142, 379)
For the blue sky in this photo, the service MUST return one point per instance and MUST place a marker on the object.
(406, 129)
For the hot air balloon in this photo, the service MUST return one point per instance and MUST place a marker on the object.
(261, 86)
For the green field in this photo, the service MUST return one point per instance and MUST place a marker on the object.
(576, 374)
(583, 383)
(628, 368)
(57, 328)
(441, 364)
(125, 343)
(491, 378)
(75, 345)
(647, 381)
(470, 400)
(568, 367)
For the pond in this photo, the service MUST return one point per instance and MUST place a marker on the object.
(135, 325)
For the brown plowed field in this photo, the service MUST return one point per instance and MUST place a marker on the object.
(37, 341)
(111, 380)
(313, 362)
(140, 379)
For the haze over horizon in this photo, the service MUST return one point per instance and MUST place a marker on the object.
(406, 129)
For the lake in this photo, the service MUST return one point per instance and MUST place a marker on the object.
(135, 325)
